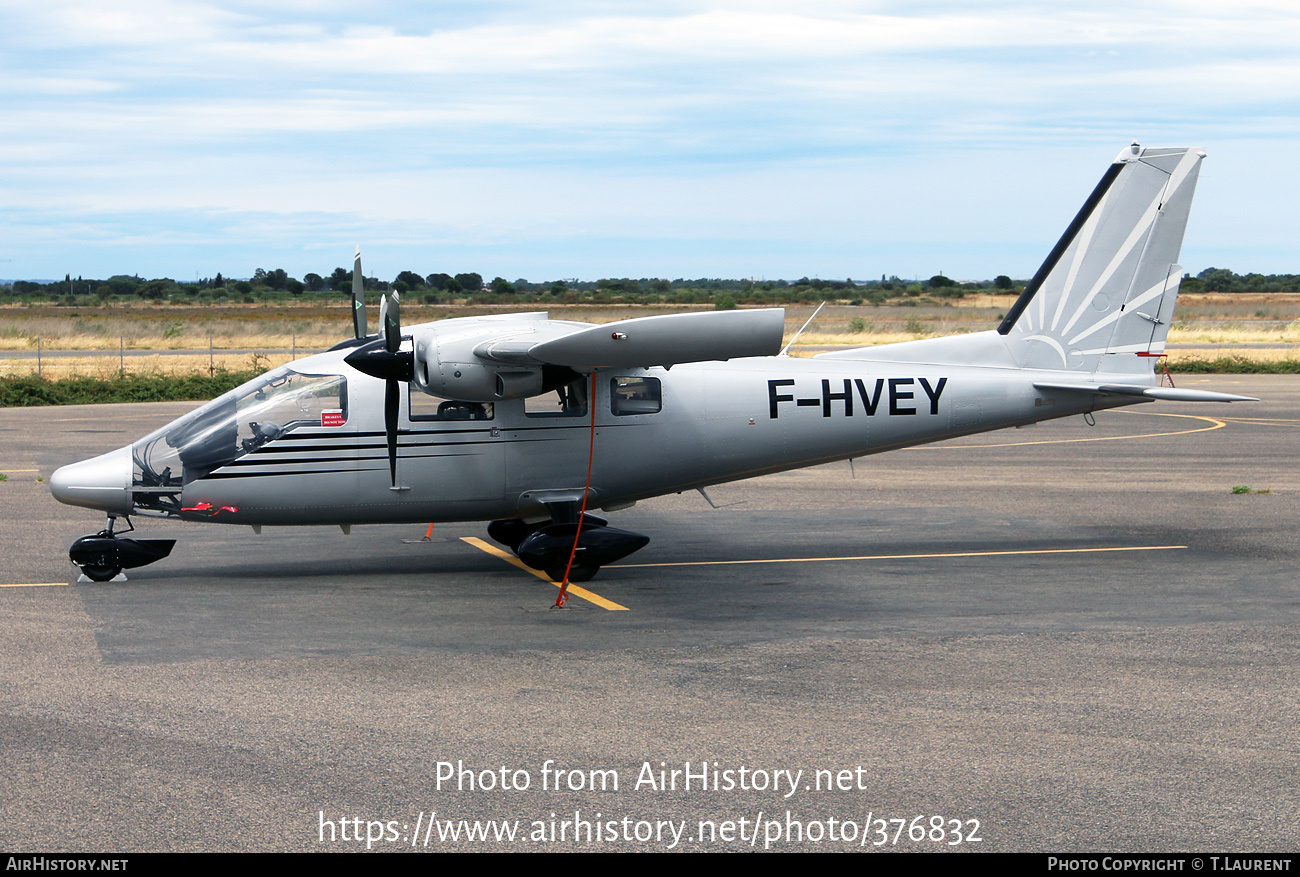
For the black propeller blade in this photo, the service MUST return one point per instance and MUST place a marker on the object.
(358, 297)
(391, 403)
(383, 358)
(390, 322)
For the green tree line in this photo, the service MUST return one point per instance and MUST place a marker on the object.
(442, 288)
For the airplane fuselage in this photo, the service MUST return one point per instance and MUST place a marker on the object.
(705, 423)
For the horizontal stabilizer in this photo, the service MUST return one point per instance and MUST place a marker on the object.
(646, 341)
(1171, 394)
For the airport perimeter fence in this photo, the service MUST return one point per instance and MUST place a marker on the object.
(60, 363)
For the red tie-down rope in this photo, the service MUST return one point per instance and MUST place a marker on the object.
(1164, 364)
(591, 455)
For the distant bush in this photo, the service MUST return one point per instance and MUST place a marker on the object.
(1236, 365)
(29, 390)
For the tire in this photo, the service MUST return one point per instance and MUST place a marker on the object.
(580, 572)
(101, 573)
(510, 532)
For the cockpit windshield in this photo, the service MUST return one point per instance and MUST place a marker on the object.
(227, 428)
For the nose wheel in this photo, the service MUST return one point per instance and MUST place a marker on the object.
(101, 573)
(102, 556)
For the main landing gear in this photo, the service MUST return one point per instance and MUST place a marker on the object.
(545, 545)
(103, 555)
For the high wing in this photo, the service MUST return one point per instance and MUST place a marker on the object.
(508, 356)
(647, 341)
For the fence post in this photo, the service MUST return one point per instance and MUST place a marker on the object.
(39, 373)
(121, 356)
(211, 371)
(295, 346)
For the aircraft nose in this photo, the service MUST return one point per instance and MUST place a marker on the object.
(103, 482)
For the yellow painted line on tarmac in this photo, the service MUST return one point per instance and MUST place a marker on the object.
(1215, 423)
(37, 585)
(8, 471)
(1267, 421)
(905, 556)
(575, 590)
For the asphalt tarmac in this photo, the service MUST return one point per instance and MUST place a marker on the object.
(1059, 638)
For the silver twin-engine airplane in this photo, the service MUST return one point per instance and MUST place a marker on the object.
(528, 422)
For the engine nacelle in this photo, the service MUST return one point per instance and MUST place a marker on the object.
(443, 370)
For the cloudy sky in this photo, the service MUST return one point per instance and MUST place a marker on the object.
(679, 138)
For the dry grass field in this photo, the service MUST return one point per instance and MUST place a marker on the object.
(1257, 327)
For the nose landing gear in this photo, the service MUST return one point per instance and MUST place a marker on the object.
(103, 555)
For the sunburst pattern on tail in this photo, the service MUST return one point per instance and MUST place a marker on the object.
(1108, 289)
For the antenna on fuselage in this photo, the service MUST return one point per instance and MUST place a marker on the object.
(785, 351)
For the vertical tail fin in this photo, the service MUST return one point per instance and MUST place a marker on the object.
(1107, 290)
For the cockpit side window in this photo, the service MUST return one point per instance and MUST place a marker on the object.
(288, 400)
(229, 427)
(634, 395)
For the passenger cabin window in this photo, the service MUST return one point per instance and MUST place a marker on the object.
(424, 407)
(634, 396)
(570, 400)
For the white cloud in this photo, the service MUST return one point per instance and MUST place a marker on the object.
(480, 122)
(54, 24)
